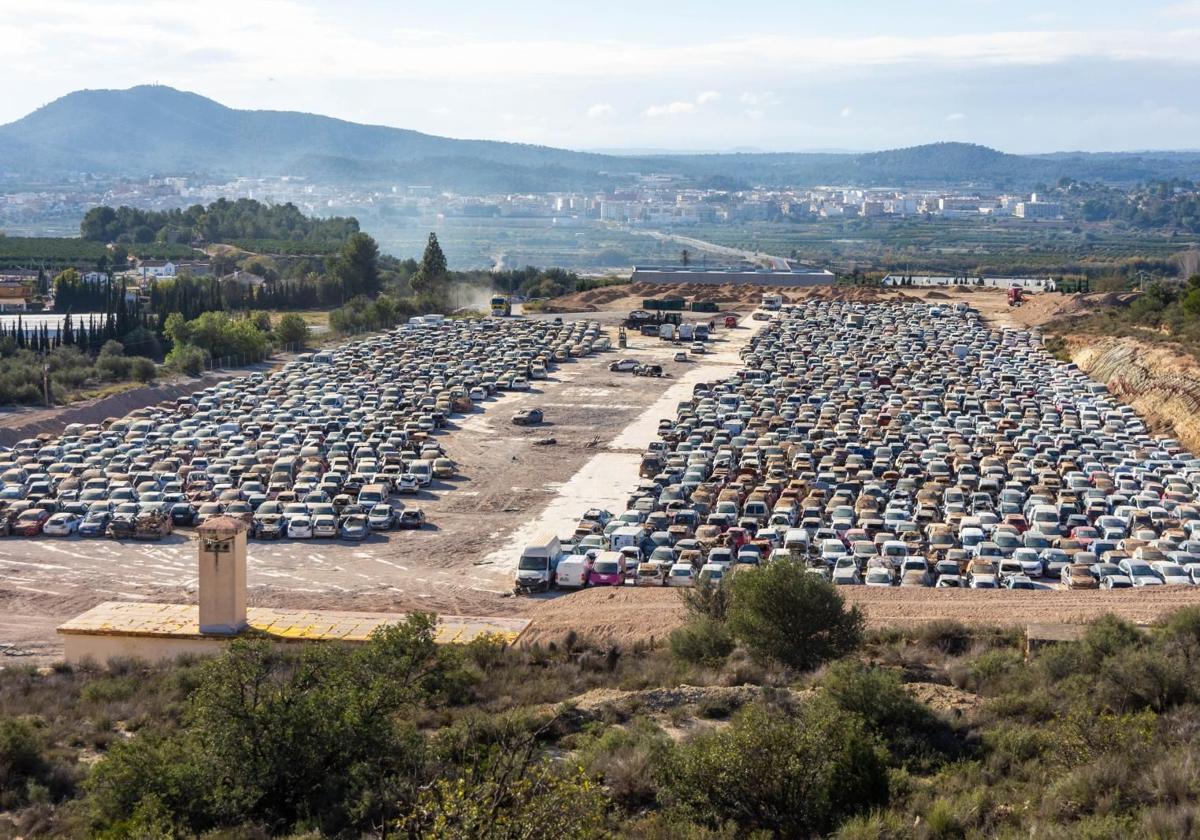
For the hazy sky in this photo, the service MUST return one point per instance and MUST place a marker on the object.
(786, 75)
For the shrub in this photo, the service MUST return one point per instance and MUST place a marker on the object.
(187, 358)
(706, 599)
(20, 758)
(142, 369)
(952, 638)
(628, 760)
(784, 614)
(790, 774)
(292, 329)
(702, 641)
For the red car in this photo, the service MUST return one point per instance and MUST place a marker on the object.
(30, 522)
(1084, 535)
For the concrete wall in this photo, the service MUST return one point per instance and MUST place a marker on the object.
(100, 649)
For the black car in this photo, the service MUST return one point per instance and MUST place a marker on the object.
(411, 518)
(121, 528)
(184, 513)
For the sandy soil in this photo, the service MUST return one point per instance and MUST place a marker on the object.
(635, 614)
(508, 489)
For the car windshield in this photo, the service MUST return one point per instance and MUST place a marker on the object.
(606, 567)
(532, 564)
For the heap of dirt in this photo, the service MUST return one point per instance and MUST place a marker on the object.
(1160, 381)
(946, 699)
(606, 615)
(1048, 307)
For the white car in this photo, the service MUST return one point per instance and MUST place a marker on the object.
(681, 574)
(62, 525)
(681, 356)
(478, 394)
(324, 526)
(624, 365)
(1172, 573)
(879, 576)
(407, 483)
(299, 528)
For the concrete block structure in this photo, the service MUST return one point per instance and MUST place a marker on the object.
(156, 632)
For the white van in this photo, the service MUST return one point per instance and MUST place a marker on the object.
(574, 571)
(538, 567)
(423, 470)
(796, 539)
(629, 536)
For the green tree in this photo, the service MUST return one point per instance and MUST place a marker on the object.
(791, 774)
(783, 613)
(432, 272)
(357, 266)
(312, 739)
(292, 329)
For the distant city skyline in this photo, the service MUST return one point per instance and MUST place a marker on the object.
(1020, 76)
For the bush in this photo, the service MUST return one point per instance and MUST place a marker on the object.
(702, 641)
(20, 757)
(629, 761)
(142, 369)
(187, 358)
(784, 614)
(292, 329)
(794, 775)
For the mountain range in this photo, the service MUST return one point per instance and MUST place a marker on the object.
(157, 130)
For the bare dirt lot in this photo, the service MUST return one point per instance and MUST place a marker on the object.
(510, 486)
(509, 489)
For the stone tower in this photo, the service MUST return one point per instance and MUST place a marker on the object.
(222, 576)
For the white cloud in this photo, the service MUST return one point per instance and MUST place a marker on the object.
(957, 116)
(1187, 9)
(765, 99)
(754, 113)
(847, 112)
(105, 43)
(442, 111)
(599, 111)
(671, 109)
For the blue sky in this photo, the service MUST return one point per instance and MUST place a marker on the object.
(701, 75)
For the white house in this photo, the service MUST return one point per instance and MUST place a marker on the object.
(156, 268)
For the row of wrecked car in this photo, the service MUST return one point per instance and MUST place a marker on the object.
(906, 444)
(325, 446)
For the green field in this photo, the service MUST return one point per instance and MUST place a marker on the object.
(54, 253)
(1001, 246)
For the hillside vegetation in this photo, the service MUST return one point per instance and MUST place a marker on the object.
(934, 733)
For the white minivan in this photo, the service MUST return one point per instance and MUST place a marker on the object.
(423, 470)
(574, 571)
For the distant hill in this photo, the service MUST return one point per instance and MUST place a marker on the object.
(159, 130)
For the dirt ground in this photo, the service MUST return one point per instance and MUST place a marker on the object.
(508, 490)
(509, 487)
(631, 615)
